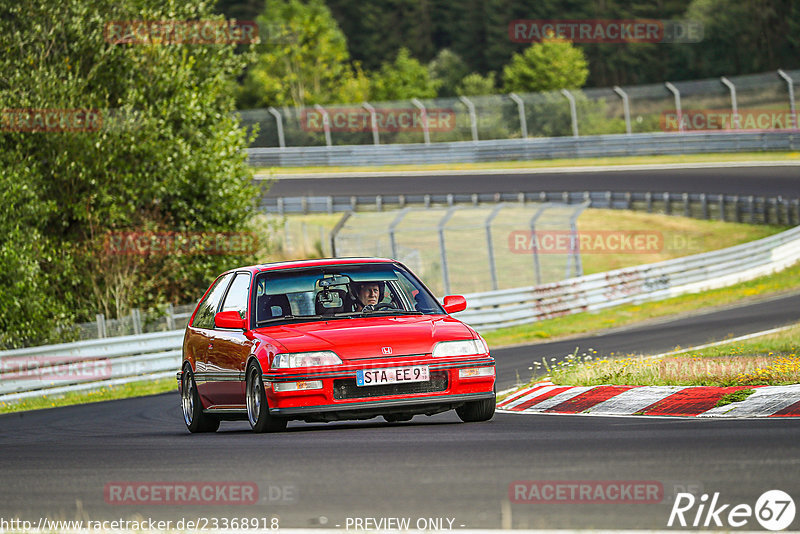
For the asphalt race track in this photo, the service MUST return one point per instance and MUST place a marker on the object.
(56, 463)
(759, 180)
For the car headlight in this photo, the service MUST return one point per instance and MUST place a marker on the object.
(458, 348)
(305, 359)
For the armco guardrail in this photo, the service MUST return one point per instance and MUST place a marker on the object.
(644, 144)
(739, 208)
(91, 364)
(643, 283)
(88, 364)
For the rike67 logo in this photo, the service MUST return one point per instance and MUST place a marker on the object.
(774, 510)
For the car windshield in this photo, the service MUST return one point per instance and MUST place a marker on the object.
(340, 291)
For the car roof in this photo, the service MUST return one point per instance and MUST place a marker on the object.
(319, 262)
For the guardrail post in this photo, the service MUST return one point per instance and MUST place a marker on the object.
(279, 121)
(722, 207)
(392, 227)
(667, 206)
(626, 108)
(443, 248)
(523, 122)
(534, 247)
(329, 203)
(686, 205)
(373, 121)
(101, 325)
(734, 106)
(751, 207)
(737, 216)
(573, 111)
(136, 318)
(170, 317)
(379, 202)
(473, 120)
(326, 123)
(280, 206)
(490, 244)
(704, 205)
(790, 85)
(423, 115)
(677, 95)
(648, 198)
(336, 229)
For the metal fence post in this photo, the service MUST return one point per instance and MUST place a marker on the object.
(473, 120)
(573, 111)
(575, 248)
(373, 121)
(443, 247)
(734, 105)
(136, 318)
(336, 229)
(279, 121)
(490, 244)
(423, 114)
(326, 123)
(534, 248)
(626, 108)
(790, 85)
(392, 226)
(523, 122)
(677, 95)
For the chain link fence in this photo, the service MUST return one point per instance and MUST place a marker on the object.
(719, 104)
(464, 248)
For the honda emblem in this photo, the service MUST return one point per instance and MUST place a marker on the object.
(386, 350)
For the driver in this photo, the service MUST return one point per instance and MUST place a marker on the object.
(367, 294)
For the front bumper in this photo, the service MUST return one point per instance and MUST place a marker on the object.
(449, 390)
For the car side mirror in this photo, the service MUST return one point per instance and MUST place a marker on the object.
(228, 319)
(454, 303)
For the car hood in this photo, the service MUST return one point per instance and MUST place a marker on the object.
(367, 337)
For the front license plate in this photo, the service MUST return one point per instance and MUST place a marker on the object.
(374, 377)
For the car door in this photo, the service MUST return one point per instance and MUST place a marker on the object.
(229, 349)
(201, 332)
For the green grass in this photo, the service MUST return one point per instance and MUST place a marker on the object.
(771, 359)
(541, 164)
(124, 391)
(587, 322)
(735, 396)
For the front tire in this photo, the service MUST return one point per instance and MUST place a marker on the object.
(477, 411)
(257, 407)
(196, 421)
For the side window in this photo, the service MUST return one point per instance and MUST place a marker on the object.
(236, 300)
(208, 307)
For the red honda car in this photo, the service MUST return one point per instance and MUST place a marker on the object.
(327, 340)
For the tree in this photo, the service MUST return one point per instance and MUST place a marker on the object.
(403, 79)
(143, 139)
(304, 61)
(550, 65)
(476, 85)
(448, 69)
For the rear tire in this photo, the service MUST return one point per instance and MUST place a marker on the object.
(196, 421)
(477, 411)
(257, 407)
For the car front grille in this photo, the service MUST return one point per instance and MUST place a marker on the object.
(346, 388)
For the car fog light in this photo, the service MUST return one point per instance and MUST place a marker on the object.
(473, 372)
(297, 386)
